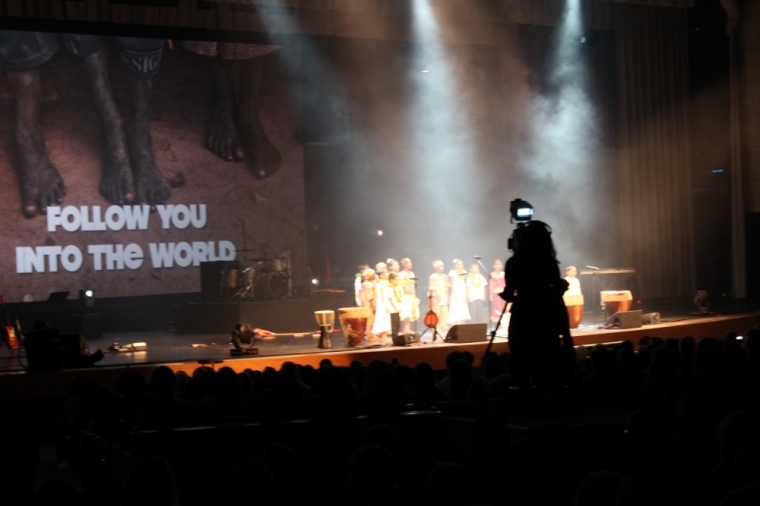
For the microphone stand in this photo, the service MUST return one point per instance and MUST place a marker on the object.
(485, 355)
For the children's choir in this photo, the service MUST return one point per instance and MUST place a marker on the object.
(389, 291)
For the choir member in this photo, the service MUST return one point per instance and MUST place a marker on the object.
(411, 312)
(476, 295)
(458, 311)
(438, 287)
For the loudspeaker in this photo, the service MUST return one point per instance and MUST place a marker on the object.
(625, 320)
(468, 333)
(405, 339)
(651, 318)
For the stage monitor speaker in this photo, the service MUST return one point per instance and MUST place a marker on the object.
(405, 339)
(651, 318)
(625, 320)
(468, 333)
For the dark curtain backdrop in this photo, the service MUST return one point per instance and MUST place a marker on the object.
(654, 169)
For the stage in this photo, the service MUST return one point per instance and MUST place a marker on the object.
(186, 352)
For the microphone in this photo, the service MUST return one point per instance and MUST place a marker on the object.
(476, 257)
(415, 279)
(592, 267)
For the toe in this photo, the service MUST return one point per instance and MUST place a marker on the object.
(30, 209)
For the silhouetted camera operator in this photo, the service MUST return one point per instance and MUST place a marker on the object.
(539, 327)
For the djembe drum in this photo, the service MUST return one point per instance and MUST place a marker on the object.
(326, 321)
(574, 305)
(353, 321)
(617, 301)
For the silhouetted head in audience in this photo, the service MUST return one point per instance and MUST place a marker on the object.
(373, 476)
(628, 365)
(602, 363)
(490, 440)
(58, 492)
(163, 383)
(325, 363)
(226, 383)
(205, 378)
(736, 432)
(388, 392)
(452, 357)
(424, 377)
(600, 488)
(254, 485)
(460, 374)
(494, 367)
(730, 337)
(245, 382)
(271, 402)
(450, 485)
(664, 363)
(687, 347)
(672, 344)
(285, 466)
(182, 380)
(708, 354)
(383, 436)
(745, 469)
(737, 365)
(150, 482)
(332, 383)
(648, 435)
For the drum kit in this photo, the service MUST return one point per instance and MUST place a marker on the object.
(264, 279)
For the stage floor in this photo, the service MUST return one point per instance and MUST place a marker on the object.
(187, 352)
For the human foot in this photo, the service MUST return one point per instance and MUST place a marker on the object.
(116, 182)
(262, 156)
(39, 181)
(151, 186)
(221, 135)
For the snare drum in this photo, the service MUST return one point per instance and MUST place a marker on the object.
(278, 265)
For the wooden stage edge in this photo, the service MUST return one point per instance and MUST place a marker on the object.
(58, 384)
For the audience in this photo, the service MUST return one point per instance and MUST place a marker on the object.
(664, 455)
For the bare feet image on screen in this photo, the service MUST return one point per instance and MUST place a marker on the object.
(235, 132)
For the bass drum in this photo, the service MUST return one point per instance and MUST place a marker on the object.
(273, 285)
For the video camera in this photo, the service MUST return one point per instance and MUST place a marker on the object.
(521, 212)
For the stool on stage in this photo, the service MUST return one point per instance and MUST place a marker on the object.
(574, 305)
(353, 321)
(617, 301)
